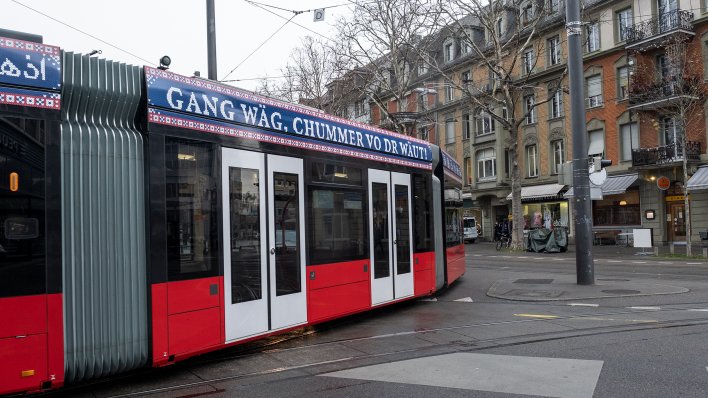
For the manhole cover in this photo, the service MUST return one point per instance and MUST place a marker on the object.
(535, 293)
(613, 280)
(534, 281)
(621, 291)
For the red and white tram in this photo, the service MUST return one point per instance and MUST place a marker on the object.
(146, 217)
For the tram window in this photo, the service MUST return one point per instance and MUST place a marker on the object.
(423, 207)
(191, 209)
(335, 173)
(22, 207)
(453, 216)
(337, 225)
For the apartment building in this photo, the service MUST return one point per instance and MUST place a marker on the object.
(631, 89)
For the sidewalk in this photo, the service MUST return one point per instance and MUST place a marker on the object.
(552, 287)
(603, 251)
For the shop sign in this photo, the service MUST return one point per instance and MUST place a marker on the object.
(675, 198)
(663, 183)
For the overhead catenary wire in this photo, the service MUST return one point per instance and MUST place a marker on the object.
(259, 47)
(84, 32)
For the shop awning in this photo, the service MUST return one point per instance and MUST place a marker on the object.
(699, 180)
(613, 185)
(539, 191)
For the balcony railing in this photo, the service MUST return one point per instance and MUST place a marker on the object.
(665, 154)
(660, 25)
(650, 95)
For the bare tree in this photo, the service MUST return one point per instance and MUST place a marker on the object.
(377, 42)
(677, 91)
(504, 40)
(306, 75)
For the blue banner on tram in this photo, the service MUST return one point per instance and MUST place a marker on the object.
(206, 99)
(450, 164)
(28, 64)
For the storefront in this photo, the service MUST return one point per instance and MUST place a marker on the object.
(543, 206)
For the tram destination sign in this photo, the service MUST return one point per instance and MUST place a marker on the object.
(28, 64)
(206, 99)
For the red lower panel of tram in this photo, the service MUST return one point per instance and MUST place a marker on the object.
(31, 343)
(455, 262)
(337, 289)
(424, 277)
(187, 318)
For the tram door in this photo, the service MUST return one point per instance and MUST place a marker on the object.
(391, 236)
(264, 255)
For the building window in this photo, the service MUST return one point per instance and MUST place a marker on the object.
(547, 215)
(466, 42)
(622, 82)
(527, 12)
(422, 67)
(530, 109)
(593, 37)
(556, 104)
(468, 171)
(465, 79)
(554, 51)
(594, 90)
(500, 27)
(532, 160)
(507, 163)
(423, 133)
(558, 148)
(629, 134)
(617, 210)
(359, 107)
(553, 6)
(596, 143)
(485, 123)
(466, 125)
(486, 164)
(529, 60)
(624, 21)
(449, 93)
(420, 103)
(449, 50)
(450, 130)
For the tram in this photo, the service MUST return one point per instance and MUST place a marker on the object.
(147, 217)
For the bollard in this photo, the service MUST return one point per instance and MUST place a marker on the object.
(671, 247)
(656, 251)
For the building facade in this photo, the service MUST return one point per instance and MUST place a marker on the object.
(633, 84)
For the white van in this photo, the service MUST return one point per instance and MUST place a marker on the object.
(470, 227)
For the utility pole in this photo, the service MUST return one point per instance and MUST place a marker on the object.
(211, 39)
(584, 266)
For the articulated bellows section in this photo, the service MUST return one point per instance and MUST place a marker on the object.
(103, 218)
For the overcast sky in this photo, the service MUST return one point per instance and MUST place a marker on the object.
(153, 28)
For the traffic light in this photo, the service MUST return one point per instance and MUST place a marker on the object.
(599, 163)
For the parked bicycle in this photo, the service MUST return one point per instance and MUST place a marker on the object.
(504, 241)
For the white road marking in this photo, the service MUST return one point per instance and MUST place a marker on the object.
(614, 261)
(538, 258)
(465, 300)
(639, 262)
(645, 308)
(698, 309)
(694, 263)
(559, 259)
(429, 299)
(583, 305)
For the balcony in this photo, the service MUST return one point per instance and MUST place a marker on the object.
(660, 93)
(648, 33)
(665, 155)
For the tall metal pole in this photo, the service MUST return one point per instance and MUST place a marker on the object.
(211, 39)
(584, 266)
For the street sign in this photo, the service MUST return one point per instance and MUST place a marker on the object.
(663, 183)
